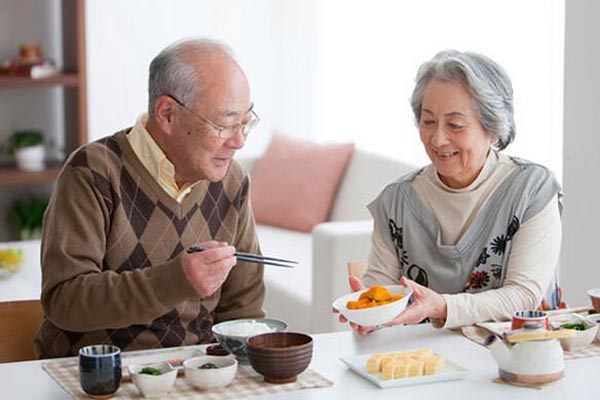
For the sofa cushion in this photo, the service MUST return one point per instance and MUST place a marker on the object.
(295, 182)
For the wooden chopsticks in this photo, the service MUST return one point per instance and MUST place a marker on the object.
(254, 258)
(540, 335)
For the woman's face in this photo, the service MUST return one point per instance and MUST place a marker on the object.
(454, 139)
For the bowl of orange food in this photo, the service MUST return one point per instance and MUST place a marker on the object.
(374, 306)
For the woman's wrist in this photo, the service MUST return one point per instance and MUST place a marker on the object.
(440, 311)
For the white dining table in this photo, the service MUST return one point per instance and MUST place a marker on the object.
(27, 380)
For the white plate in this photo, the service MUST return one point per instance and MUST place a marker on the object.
(451, 371)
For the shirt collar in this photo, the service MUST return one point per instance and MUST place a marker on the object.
(490, 162)
(155, 160)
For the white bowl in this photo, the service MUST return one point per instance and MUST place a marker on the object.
(595, 318)
(595, 298)
(581, 338)
(153, 385)
(375, 315)
(221, 376)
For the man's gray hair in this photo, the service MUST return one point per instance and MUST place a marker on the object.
(172, 72)
(488, 83)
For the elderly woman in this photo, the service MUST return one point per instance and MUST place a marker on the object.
(476, 234)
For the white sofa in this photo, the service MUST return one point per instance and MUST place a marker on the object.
(302, 297)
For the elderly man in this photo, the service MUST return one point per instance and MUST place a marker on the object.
(126, 208)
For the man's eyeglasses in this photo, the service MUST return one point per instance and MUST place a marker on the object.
(225, 132)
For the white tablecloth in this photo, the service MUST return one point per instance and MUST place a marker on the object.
(27, 380)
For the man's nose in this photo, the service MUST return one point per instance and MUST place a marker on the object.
(238, 139)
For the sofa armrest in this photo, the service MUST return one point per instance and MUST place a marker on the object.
(334, 245)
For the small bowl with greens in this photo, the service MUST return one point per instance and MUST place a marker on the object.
(153, 379)
(585, 330)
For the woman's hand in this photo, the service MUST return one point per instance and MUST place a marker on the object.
(356, 286)
(426, 304)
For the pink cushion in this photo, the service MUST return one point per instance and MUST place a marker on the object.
(295, 182)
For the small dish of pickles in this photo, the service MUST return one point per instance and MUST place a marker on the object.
(153, 379)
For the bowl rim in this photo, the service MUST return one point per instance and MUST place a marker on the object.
(135, 369)
(230, 358)
(594, 292)
(590, 317)
(282, 325)
(288, 348)
(345, 298)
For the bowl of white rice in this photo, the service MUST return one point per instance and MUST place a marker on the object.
(233, 335)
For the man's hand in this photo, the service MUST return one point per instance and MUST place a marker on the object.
(208, 269)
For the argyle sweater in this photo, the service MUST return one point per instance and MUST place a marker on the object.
(111, 255)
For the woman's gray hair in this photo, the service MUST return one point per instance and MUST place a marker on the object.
(172, 72)
(488, 83)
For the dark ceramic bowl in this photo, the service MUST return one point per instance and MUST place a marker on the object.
(280, 356)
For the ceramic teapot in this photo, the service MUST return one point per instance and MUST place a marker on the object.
(529, 356)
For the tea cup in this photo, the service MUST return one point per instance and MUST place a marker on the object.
(519, 318)
(100, 370)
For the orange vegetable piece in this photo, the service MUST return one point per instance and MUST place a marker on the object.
(375, 296)
(378, 293)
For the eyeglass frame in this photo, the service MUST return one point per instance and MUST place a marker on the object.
(254, 119)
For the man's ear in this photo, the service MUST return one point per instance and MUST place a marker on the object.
(164, 113)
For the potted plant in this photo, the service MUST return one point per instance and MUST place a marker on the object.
(26, 216)
(27, 147)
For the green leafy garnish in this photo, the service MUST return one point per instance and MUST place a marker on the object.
(578, 326)
(150, 371)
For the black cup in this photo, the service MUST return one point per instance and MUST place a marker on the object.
(100, 370)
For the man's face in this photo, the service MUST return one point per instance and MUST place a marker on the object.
(197, 151)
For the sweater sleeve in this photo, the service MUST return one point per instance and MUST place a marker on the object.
(532, 263)
(243, 292)
(77, 293)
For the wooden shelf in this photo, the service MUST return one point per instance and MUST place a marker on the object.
(66, 79)
(11, 176)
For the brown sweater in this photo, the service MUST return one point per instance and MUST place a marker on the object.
(111, 255)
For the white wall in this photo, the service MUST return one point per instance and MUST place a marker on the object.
(581, 174)
(370, 50)
(268, 36)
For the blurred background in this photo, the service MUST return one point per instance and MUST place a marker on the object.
(329, 71)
